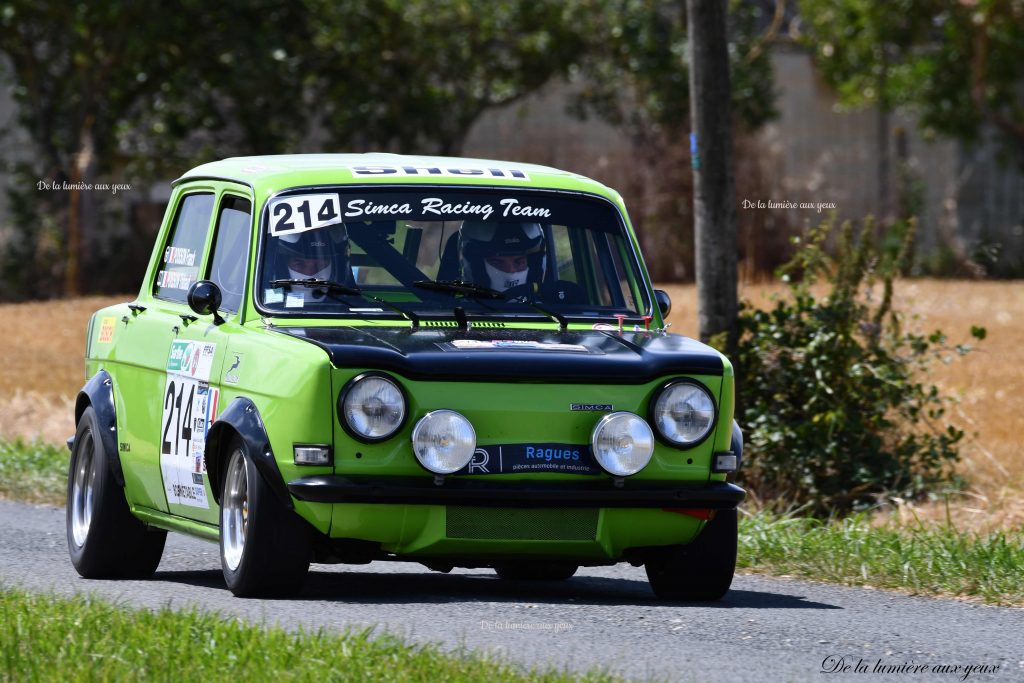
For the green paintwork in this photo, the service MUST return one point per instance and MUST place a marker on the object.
(162, 520)
(295, 388)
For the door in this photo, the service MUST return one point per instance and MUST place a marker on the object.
(194, 366)
(140, 367)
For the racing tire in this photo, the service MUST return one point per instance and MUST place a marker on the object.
(104, 539)
(535, 571)
(703, 569)
(265, 548)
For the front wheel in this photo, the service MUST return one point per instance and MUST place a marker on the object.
(701, 570)
(265, 548)
(105, 540)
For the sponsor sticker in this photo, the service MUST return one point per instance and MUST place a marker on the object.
(179, 256)
(189, 407)
(436, 208)
(540, 457)
(495, 171)
(523, 345)
(181, 278)
(107, 327)
(231, 374)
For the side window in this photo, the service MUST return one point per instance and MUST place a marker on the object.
(184, 251)
(562, 254)
(598, 262)
(230, 260)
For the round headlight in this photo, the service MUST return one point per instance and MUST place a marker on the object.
(623, 443)
(684, 413)
(372, 408)
(443, 441)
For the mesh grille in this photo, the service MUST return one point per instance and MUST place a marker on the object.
(516, 524)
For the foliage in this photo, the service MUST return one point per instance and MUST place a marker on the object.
(957, 64)
(935, 559)
(105, 89)
(415, 76)
(634, 74)
(835, 404)
(33, 472)
(635, 70)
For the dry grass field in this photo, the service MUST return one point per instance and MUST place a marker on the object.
(42, 370)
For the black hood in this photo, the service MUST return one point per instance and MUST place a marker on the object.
(500, 355)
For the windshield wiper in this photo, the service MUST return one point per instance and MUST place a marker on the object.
(474, 291)
(330, 286)
(315, 283)
(469, 289)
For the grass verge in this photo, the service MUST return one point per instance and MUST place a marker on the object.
(34, 472)
(933, 559)
(47, 638)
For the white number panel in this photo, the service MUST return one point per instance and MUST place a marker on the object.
(303, 212)
(190, 405)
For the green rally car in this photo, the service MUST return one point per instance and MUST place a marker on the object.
(349, 358)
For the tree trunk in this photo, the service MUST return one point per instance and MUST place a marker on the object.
(80, 173)
(714, 194)
(882, 143)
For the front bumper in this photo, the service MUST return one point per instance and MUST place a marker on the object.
(524, 494)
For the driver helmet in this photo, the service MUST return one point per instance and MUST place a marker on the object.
(311, 254)
(502, 255)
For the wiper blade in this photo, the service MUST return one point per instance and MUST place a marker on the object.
(475, 291)
(468, 289)
(331, 286)
(315, 283)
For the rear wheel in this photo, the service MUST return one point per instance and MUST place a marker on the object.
(265, 548)
(525, 570)
(701, 570)
(104, 539)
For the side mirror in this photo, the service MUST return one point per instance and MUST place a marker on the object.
(204, 298)
(664, 302)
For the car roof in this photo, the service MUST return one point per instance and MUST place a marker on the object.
(273, 173)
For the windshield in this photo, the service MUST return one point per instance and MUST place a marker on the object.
(494, 253)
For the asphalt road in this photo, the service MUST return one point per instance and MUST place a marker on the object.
(766, 629)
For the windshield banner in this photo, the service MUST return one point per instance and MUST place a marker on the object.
(297, 213)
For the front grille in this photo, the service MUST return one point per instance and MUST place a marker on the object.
(518, 524)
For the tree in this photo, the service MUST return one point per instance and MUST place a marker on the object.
(635, 75)
(99, 86)
(416, 74)
(714, 195)
(955, 64)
